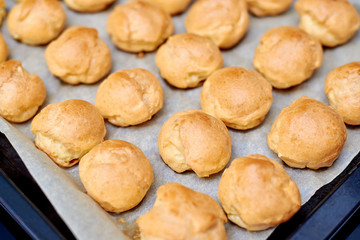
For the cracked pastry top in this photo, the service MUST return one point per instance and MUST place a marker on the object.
(36, 22)
(139, 26)
(116, 174)
(257, 193)
(342, 86)
(263, 8)
(67, 130)
(194, 140)
(223, 21)
(88, 5)
(287, 56)
(79, 56)
(129, 97)
(187, 59)
(332, 22)
(173, 7)
(182, 213)
(21, 93)
(307, 134)
(241, 98)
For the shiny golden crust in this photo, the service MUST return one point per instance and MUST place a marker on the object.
(88, 5)
(36, 22)
(173, 7)
(332, 22)
(194, 140)
(79, 56)
(241, 98)
(129, 97)
(139, 26)
(116, 174)
(284, 70)
(307, 134)
(182, 213)
(21, 93)
(67, 130)
(185, 60)
(342, 86)
(223, 21)
(262, 8)
(4, 50)
(257, 193)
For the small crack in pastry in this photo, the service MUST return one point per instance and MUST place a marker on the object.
(36, 22)
(79, 55)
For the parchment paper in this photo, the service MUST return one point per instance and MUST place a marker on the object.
(62, 186)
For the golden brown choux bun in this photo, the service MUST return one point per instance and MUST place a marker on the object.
(257, 193)
(332, 22)
(342, 86)
(195, 140)
(308, 134)
(173, 7)
(116, 174)
(2, 11)
(223, 21)
(129, 97)
(263, 8)
(284, 70)
(21, 93)
(138, 26)
(36, 22)
(67, 130)
(241, 98)
(88, 5)
(4, 50)
(182, 213)
(185, 60)
(79, 56)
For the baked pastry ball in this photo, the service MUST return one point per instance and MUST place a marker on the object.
(262, 8)
(67, 130)
(129, 97)
(138, 26)
(257, 193)
(284, 70)
(185, 60)
(332, 22)
(21, 93)
(241, 98)
(116, 174)
(2, 11)
(88, 5)
(342, 86)
(195, 140)
(4, 50)
(308, 134)
(223, 21)
(182, 213)
(36, 22)
(173, 7)
(79, 56)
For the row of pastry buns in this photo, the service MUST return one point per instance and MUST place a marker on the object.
(178, 135)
